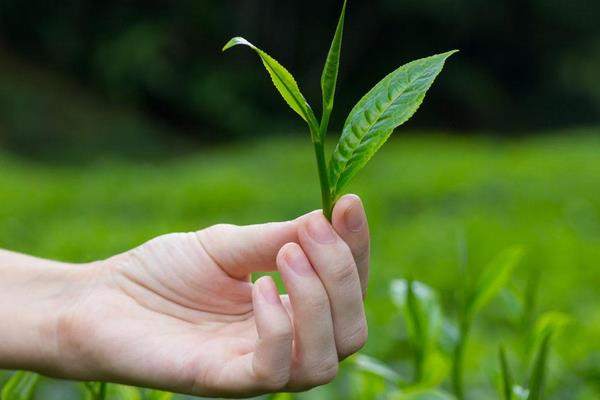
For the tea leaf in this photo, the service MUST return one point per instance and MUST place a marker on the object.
(421, 309)
(20, 386)
(330, 71)
(536, 382)
(385, 107)
(375, 367)
(507, 380)
(282, 79)
(493, 278)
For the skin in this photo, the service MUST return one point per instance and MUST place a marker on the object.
(180, 312)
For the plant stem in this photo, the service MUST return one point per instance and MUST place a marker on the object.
(323, 179)
(318, 134)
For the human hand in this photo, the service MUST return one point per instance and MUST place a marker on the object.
(180, 313)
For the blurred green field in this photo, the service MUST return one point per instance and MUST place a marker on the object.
(425, 194)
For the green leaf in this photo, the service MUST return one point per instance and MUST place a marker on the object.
(375, 367)
(494, 277)
(330, 71)
(538, 375)
(421, 310)
(507, 380)
(158, 395)
(282, 396)
(282, 79)
(122, 392)
(20, 386)
(385, 107)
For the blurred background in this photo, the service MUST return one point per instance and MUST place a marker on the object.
(112, 76)
(122, 120)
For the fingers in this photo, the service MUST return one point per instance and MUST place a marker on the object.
(334, 263)
(315, 358)
(241, 250)
(272, 357)
(350, 222)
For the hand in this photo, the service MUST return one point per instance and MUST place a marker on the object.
(180, 313)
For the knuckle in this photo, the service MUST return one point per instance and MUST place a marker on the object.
(355, 341)
(326, 373)
(272, 380)
(345, 272)
(217, 229)
(281, 334)
(362, 253)
(317, 305)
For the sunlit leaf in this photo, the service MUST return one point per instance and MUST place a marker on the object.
(21, 386)
(385, 107)
(330, 71)
(493, 278)
(373, 366)
(282, 79)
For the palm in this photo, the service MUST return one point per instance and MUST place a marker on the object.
(178, 317)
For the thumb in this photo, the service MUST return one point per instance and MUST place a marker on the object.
(241, 250)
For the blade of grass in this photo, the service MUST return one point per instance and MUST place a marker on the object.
(21, 386)
(538, 375)
(507, 380)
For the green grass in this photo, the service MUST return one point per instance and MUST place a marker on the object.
(423, 194)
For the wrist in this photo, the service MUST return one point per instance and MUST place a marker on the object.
(36, 296)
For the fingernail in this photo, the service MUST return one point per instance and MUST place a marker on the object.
(320, 230)
(268, 291)
(297, 261)
(354, 219)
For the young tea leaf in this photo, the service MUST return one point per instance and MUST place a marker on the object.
(282, 79)
(385, 107)
(330, 71)
(20, 386)
(507, 381)
(420, 308)
(536, 382)
(494, 277)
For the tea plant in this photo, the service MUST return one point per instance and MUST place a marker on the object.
(473, 299)
(546, 327)
(386, 106)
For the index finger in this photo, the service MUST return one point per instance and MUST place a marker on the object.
(350, 222)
